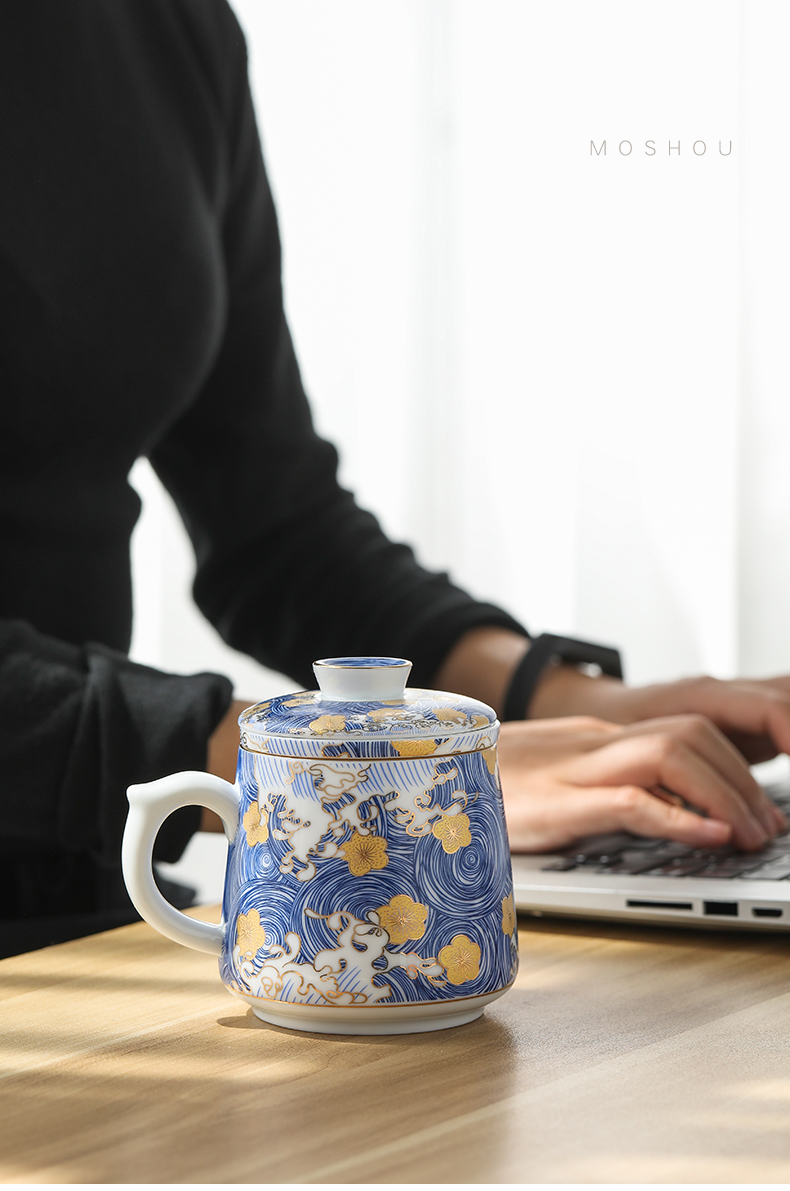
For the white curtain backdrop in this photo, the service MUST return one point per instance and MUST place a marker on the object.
(577, 360)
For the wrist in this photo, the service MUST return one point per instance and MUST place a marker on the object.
(481, 664)
(547, 683)
(563, 690)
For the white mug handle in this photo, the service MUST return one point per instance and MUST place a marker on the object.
(149, 806)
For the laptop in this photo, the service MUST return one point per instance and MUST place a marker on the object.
(629, 877)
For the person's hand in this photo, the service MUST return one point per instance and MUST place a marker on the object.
(753, 713)
(567, 778)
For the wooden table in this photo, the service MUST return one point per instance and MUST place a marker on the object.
(622, 1054)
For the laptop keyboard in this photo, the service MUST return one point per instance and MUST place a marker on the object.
(626, 854)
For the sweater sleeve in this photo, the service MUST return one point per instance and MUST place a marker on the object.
(81, 724)
(289, 568)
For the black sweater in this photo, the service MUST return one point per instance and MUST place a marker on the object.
(141, 315)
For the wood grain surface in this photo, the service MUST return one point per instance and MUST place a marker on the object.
(622, 1054)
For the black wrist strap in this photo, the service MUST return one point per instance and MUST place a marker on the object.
(543, 650)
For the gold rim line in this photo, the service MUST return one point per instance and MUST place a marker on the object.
(424, 757)
(393, 1005)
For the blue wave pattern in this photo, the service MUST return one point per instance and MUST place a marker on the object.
(314, 908)
(308, 724)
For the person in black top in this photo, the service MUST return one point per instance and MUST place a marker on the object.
(142, 316)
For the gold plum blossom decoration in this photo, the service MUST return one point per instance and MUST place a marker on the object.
(328, 723)
(403, 918)
(508, 914)
(256, 824)
(364, 852)
(414, 748)
(250, 935)
(450, 715)
(453, 831)
(461, 960)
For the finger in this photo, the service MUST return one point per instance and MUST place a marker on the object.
(754, 749)
(779, 682)
(777, 720)
(665, 761)
(761, 709)
(538, 743)
(667, 795)
(700, 734)
(594, 809)
(686, 772)
(781, 819)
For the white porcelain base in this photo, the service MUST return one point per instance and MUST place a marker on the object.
(378, 1019)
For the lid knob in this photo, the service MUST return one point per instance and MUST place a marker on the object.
(360, 680)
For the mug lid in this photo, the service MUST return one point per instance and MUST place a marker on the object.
(364, 702)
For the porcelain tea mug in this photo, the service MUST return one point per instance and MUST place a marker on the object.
(368, 887)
